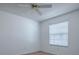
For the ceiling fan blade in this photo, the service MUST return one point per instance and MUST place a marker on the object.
(23, 5)
(38, 11)
(45, 6)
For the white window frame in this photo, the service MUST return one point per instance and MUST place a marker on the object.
(67, 34)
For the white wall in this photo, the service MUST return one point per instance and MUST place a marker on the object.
(73, 47)
(18, 35)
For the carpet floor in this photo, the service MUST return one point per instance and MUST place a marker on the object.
(39, 53)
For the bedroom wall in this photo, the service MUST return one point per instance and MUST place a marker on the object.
(73, 38)
(18, 35)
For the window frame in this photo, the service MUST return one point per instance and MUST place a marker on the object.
(49, 34)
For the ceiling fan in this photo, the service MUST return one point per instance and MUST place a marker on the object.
(36, 6)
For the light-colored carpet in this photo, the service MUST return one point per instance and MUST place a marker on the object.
(39, 53)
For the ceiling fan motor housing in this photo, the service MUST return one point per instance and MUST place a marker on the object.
(34, 6)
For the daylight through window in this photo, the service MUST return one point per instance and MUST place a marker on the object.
(58, 34)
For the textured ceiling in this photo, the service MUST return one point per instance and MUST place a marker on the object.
(25, 10)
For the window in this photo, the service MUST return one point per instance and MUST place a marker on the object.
(58, 34)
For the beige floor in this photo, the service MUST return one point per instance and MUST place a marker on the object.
(39, 53)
